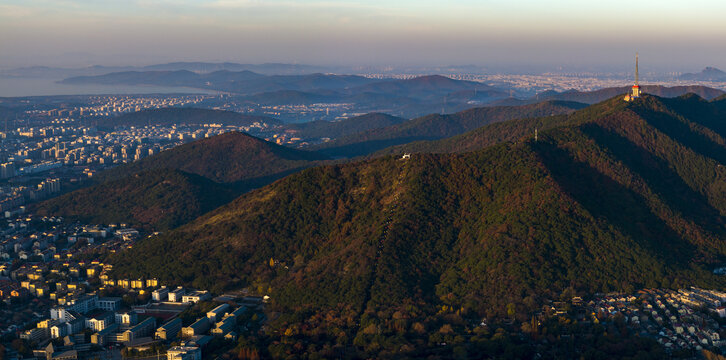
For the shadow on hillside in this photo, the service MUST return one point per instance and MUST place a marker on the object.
(659, 177)
(709, 114)
(682, 133)
(248, 185)
(606, 199)
(368, 147)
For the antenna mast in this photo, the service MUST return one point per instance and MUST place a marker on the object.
(636, 70)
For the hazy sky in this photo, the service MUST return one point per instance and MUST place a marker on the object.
(677, 35)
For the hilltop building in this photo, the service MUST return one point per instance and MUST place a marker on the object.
(635, 90)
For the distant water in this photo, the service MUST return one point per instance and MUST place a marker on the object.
(17, 86)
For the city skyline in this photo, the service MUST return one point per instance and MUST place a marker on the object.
(672, 36)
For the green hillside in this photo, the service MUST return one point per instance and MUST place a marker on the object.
(437, 126)
(370, 254)
(207, 173)
(226, 158)
(152, 200)
(336, 129)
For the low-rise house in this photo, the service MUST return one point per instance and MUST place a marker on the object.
(217, 313)
(142, 329)
(197, 328)
(169, 330)
(103, 337)
(109, 303)
(225, 326)
(99, 320)
(196, 296)
(160, 294)
(126, 318)
(35, 335)
(176, 294)
(184, 353)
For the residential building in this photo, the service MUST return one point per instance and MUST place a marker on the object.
(169, 330)
(196, 296)
(109, 303)
(197, 328)
(176, 294)
(160, 294)
(184, 353)
(217, 313)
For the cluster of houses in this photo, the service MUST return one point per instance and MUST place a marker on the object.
(19, 241)
(682, 319)
(109, 322)
(31, 262)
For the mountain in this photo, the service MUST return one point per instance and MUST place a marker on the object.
(437, 126)
(390, 256)
(336, 129)
(592, 97)
(171, 188)
(488, 135)
(159, 199)
(241, 82)
(184, 116)
(293, 97)
(523, 129)
(401, 97)
(232, 157)
(426, 86)
(267, 68)
(198, 67)
(707, 74)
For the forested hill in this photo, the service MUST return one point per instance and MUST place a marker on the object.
(159, 199)
(173, 187)
(436, 126)
(229, 157)
(184, 116)
(626, 196)
(522, 129)
(596, 96)
(336, 129)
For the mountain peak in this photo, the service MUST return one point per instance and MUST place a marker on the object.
(709, 73)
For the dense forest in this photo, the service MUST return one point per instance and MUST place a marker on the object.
(380, 253)
(436, 126)
(336, 129)
(152, 200)
(226, 158)
(173, 187)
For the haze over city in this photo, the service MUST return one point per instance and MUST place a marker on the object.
(504, 36)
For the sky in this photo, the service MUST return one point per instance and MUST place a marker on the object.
(582, 35)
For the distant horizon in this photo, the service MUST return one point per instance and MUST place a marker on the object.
(520, 34)
(521, 69)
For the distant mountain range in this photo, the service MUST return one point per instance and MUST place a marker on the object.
(201, 67)
(241, 82)
(383, 253)
(707, 74)
(436, 126)
(409, 97)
